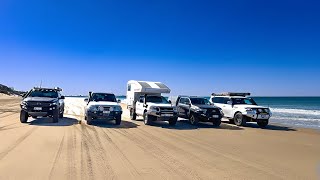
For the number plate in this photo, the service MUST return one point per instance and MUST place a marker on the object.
(106, 112)
(166, 115)
(264, 116)
(37, 108)
(215, 116)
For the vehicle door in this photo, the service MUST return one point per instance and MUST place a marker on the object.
(139, 106)
(183, 107)
(227, 107)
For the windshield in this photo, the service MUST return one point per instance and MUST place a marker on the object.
(103, 97)
(248, 101)
(44, 93)
(203, 101)
(157, 99)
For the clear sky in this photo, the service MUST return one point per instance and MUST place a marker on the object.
(195, 47)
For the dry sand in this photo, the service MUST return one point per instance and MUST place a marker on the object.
(69, 150)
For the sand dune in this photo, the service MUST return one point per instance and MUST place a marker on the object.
(73, 150)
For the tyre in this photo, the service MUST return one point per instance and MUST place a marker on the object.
(89, 120)
(216, 122)
(23, 116)
(146, 119)
(262, 123)
(193, 120)
(55, 116)
(133, 115)
(61, 114)
(173, 121)
(118, 120)
(34, 117)
(239, 119)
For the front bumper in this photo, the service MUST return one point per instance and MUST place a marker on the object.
(257, 116)
(106, 116)
(208, 117)
(44, 111)
(163, 116)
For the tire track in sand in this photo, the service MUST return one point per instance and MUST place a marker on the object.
(116, 150)
(14, 145)
(57, 157)
(71, 149)
(93, 148)
(171, 164)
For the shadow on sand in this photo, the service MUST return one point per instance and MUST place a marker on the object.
(272, 127)
(111, 124)
(185, 125)
(66, 121)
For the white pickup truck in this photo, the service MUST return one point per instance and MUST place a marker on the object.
(144, 99)
(239, 108)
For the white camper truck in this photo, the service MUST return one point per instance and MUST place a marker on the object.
(144, 99)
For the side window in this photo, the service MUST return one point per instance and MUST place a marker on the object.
(225, 100)
(217, 100)
(141, 99)
(181, 100)
(129, 87)
(187, 101)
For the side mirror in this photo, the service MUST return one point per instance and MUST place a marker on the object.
(119, 101)
(170, 102)
(62, 97)
(141, 101)
(189, 104)
(86, 100)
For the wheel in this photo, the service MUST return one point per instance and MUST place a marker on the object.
(61, 114)
(55, 116)
(193, 119)
(34, 117)
(118, 120)
(262, 123)
(173, 121)
(133, 115)
(23, 116)
(89, 120)
(146, 119)
(239, 120)
(216, 122)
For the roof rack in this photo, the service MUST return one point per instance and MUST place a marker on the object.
(231, 94)
(41, 88)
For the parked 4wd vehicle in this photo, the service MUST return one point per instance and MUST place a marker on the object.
(239, 108)
(144, 98)
(102, 106)
(42, 102)
(198, 109)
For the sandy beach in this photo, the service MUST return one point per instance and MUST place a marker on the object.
(71, 149)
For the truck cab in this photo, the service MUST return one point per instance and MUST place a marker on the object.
(144, 99)
(239, 108)
(102, 106)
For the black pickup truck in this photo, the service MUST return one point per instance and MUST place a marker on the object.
(198, 109)
(44, 102)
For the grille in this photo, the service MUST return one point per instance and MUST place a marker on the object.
(106, 108)
(166, 109)
(39, 104)
(212, 111)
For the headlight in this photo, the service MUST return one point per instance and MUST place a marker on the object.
(24, 103)
(267, 110)
(53, 104)
(93, 108)
(116, 108)
(259, 110)
(154, 108)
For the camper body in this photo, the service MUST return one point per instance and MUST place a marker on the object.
(145, 99)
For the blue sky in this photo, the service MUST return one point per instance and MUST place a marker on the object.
(269, 48)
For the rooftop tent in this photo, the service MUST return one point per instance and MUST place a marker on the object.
(148, 87)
